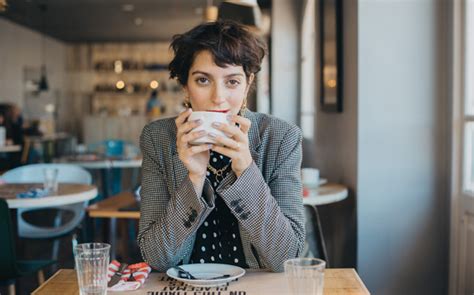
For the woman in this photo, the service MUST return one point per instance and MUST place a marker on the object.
(235, 202)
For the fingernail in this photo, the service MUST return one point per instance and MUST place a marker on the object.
(209, 146)
(216, 124)
(211, 135)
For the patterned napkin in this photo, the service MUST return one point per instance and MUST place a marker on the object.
(33, 193)
(132, 278)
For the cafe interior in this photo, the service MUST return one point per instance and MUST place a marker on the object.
(381, 90)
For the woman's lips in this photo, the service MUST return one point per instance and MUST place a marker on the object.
(218, 111)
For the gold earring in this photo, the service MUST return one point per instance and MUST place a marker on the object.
(186, 102)
(244, 105)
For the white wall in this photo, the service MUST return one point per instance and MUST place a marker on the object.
(336, 152)
(21, 47)
(402, 153)
(285, 59)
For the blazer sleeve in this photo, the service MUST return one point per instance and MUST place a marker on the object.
(271, 213)
(168, 220)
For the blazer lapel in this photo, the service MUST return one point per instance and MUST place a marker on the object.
(179, 170)
(254, 136)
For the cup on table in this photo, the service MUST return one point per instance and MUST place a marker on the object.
(50, 181)
(310, 177)
(305, 276)
(207, 119)
(92, 261)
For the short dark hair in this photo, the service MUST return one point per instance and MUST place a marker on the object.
(229, 42)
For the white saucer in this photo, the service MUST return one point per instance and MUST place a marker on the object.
(314, 186)
(203, 271)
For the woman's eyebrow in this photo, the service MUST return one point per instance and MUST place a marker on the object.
(226, 76)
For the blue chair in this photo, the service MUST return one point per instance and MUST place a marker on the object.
(10, 267)
(34, 173)
(114, 148)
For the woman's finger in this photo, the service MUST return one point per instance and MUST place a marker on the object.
(224, 151)
(225, 141)
(186, 138)
(243, 122)
(182, 117)
(187, 127)
(196, 149)
(230, 130)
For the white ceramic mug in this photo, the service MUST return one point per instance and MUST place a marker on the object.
(207, 119)
(310, 177)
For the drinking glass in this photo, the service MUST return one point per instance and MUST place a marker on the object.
(92, 261)
(305, 275)
(50, 181)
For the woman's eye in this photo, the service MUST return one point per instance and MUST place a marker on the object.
(233, 82)
(202, 80)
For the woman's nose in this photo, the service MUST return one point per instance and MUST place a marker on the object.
(218, 95)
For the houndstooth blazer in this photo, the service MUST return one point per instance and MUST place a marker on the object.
(265, 199)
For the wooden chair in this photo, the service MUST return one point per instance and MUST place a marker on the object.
(10, 267)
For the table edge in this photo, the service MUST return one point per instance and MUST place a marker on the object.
(43, 285)
(39, 203)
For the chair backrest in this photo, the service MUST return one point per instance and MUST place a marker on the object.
(34, 173)
(8, 269)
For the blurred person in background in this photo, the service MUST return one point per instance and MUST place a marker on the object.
(154, 107)
(12, 120)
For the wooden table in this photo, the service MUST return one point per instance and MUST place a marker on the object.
(111, 207)
(336, 282)
(68, 193)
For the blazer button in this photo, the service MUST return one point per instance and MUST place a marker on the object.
(245, 215)
(192, 218)
(235, 202)
(194, 213)
(187, 224)
(238, 209)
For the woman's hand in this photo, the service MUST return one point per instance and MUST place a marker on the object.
(194, 157)
(236, 146)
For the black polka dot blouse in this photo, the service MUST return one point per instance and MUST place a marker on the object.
(218, 238)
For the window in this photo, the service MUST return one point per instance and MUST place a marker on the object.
(308, 66)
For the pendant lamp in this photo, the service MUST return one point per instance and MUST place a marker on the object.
(43, 82)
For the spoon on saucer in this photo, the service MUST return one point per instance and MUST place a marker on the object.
(184, 274)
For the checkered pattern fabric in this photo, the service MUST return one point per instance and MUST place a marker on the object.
(266, 199)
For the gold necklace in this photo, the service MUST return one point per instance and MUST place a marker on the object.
(218, 172)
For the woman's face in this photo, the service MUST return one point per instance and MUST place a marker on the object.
(212, 88)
